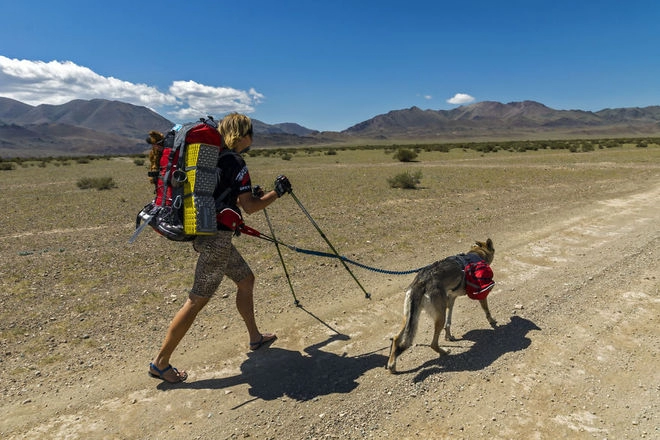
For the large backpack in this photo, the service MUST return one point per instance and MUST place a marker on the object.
(184, 206)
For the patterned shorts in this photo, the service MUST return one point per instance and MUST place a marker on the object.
(217, 257)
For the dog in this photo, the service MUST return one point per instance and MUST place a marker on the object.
(434, 289)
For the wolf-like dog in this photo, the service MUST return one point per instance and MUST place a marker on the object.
(434, 289)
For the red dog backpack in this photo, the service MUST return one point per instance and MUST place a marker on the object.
(478, 279)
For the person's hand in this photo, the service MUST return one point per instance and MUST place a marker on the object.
(282, 185)
(257, 191)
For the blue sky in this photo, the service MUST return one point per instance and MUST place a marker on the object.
(328, 65)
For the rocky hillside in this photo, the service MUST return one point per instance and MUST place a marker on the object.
(76, 128)
(100, 126)
(107, 127)
(512, 120)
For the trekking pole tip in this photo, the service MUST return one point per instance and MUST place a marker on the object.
(367, 295)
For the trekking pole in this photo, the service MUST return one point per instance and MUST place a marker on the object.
(277, 246)
(366, 295)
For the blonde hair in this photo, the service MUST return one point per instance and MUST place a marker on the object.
(233, 127)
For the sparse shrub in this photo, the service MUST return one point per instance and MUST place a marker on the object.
(642, 144)
(7, 166)
(82, 160)
(138, 162)
(405, 155)
(286, 156)
(487, 148)
(610, 143)
(100, 183)
(331, 153)
(405, 180)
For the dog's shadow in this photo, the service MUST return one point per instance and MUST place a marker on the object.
(488, 346)
(273, 373)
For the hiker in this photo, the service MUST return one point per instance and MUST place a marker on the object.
(217, 255)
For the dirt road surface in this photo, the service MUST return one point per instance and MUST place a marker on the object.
(575, 355)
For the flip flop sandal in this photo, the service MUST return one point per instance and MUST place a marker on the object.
(261, 342)
(160, 374)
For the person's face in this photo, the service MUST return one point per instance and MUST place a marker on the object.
(244, 143)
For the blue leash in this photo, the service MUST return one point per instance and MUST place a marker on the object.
(348, 260)
(255, 233)
(251, 231)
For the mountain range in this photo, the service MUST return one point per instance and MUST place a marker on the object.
(104, 127)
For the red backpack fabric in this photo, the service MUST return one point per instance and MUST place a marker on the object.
(204, 132)
(478, 279)
(184, 206)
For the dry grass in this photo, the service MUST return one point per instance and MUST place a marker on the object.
(74, 292)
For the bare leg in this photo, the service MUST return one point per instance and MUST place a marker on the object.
(176, 331)
(245, 306)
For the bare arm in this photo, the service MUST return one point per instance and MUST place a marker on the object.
(252, 204)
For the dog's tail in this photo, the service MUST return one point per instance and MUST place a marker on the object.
(412, 308)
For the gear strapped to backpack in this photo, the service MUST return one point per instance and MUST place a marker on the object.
(184, 206)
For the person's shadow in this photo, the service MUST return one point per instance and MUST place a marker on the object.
(489, 345)
(273, 373)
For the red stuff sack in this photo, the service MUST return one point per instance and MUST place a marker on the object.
(478, 279)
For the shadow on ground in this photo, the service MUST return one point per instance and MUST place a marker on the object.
(488, 345)
(272, 373)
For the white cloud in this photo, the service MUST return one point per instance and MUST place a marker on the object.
(58, 82)
(194, 99)
(460, 98)
(428, 97)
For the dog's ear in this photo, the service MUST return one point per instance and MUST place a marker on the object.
(480, 245)
(490, 249)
